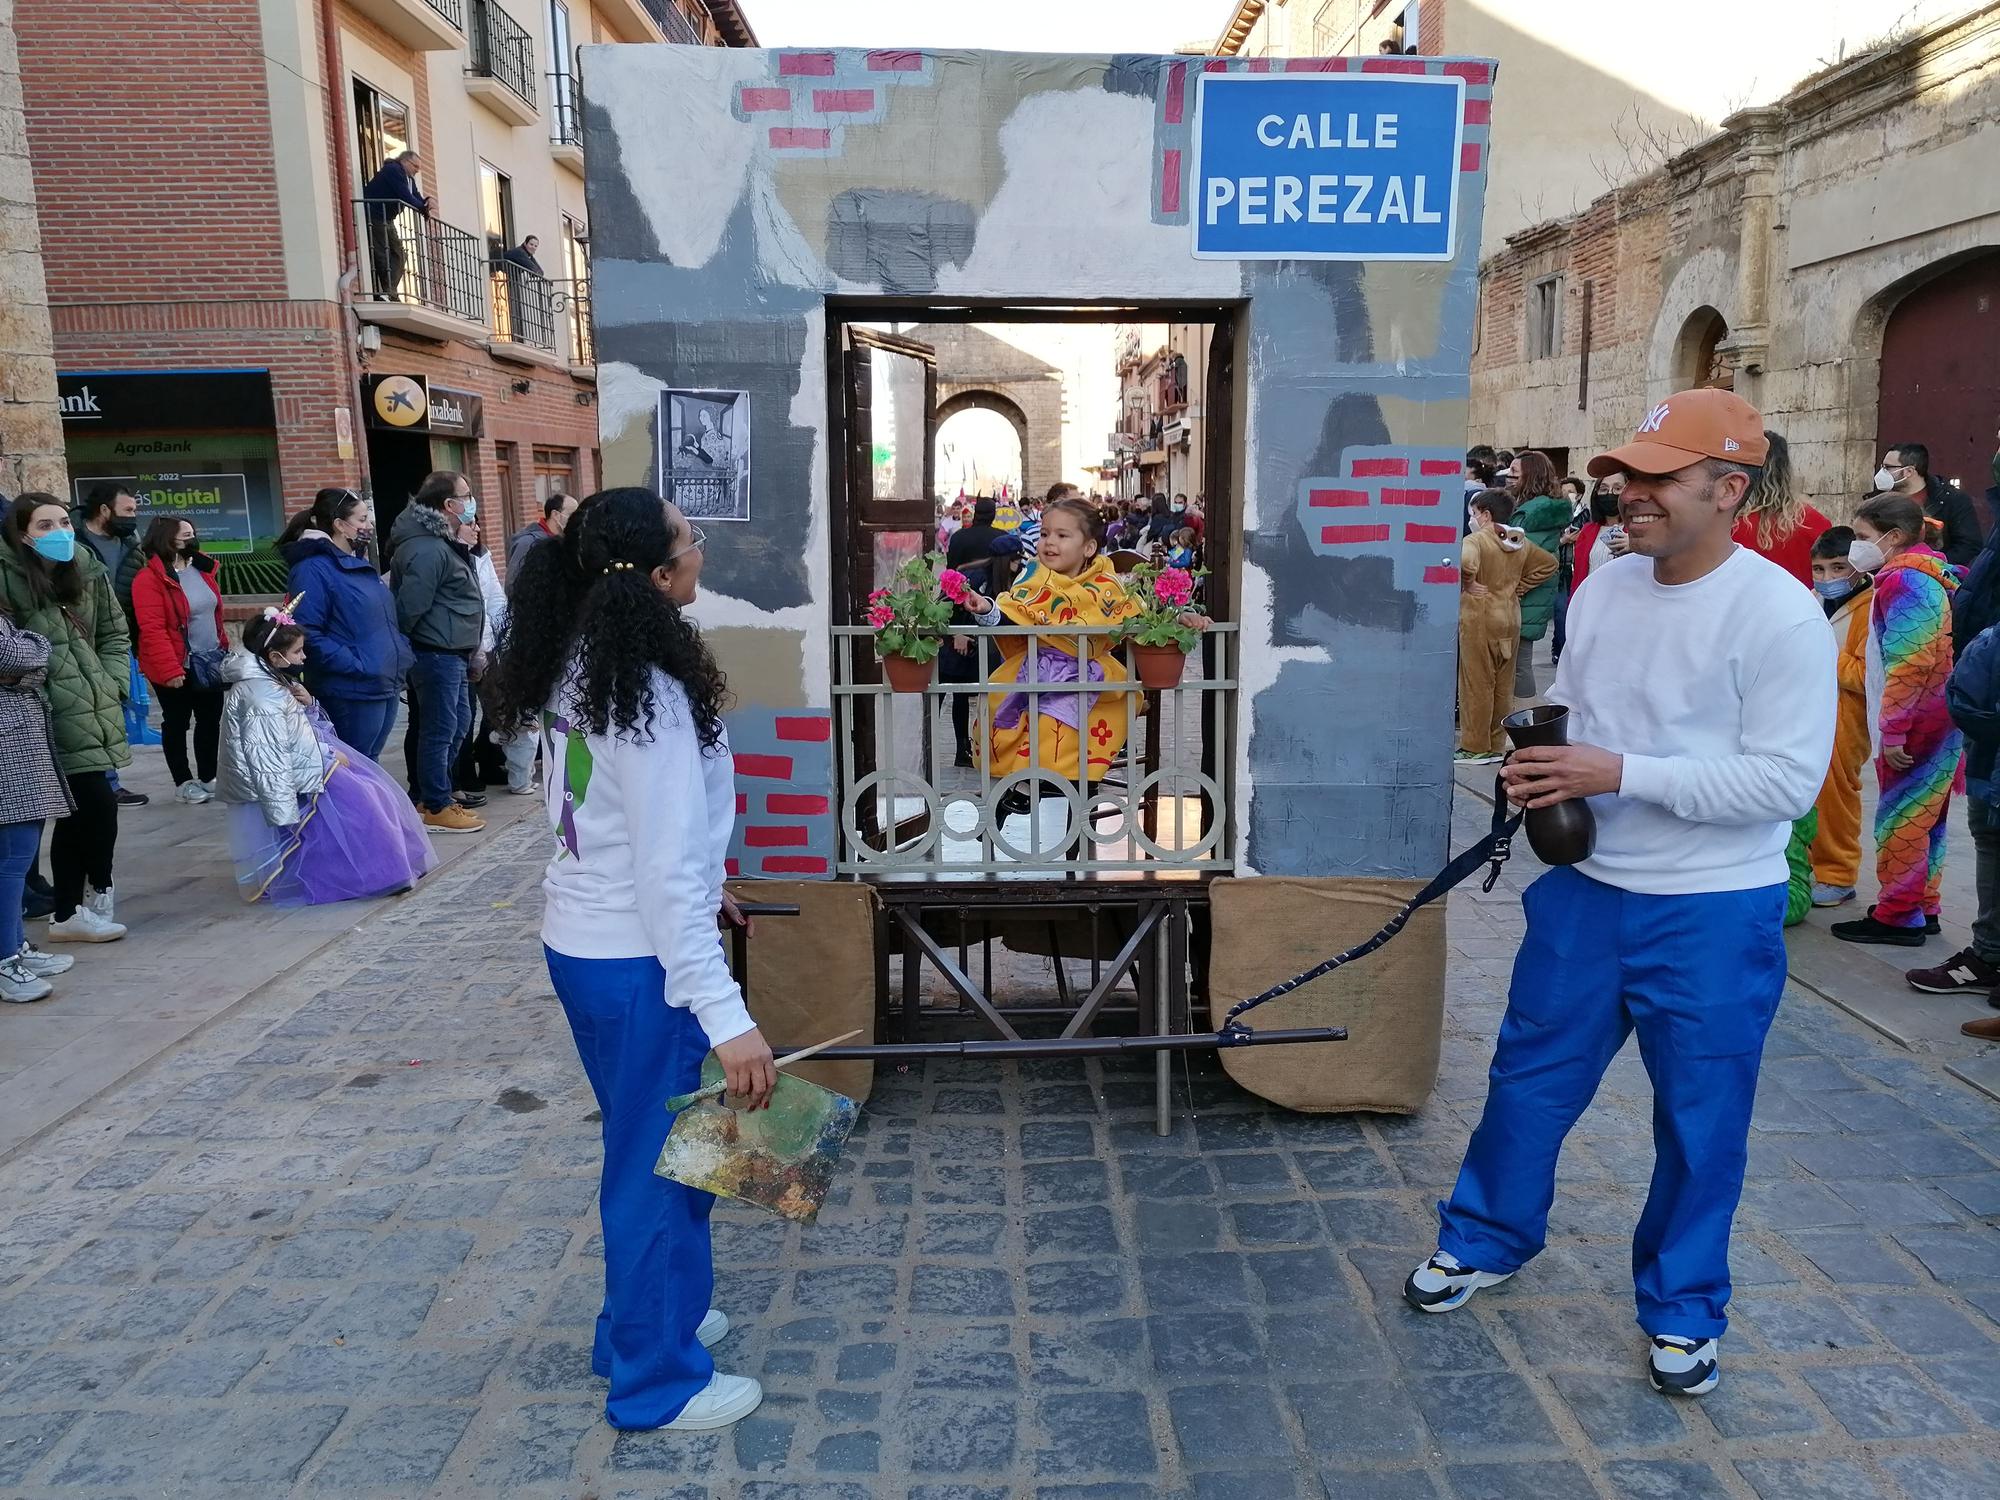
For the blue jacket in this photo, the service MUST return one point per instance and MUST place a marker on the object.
(353, 648)
(389, 190)
(1973, 697)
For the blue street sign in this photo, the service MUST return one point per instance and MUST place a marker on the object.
(1326, 166)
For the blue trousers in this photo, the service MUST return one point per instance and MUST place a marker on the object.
(639, 1052)
(19, 844)
(1699, 978)
(444, 719)
(363, 722)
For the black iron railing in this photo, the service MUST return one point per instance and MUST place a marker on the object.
(572, 299)
(498, 48)
(524, 310)
(565, 110)
(411, 257)
(671, 21)
(452, 10)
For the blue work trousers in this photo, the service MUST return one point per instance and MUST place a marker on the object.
(639, 1051)
(1699, 978)
(444, 719)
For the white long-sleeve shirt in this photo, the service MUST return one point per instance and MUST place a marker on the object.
(1720, 695)
(642, 824)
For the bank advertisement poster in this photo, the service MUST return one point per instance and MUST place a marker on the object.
(217, 504)
(705, 453)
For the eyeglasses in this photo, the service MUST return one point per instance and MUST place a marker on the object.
(697, 540)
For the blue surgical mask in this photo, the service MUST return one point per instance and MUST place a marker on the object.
(56, 546)
(468, 511)
(1835, 589)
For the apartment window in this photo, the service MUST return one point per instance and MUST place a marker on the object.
(381, 127)
(506, 459)
(555, 472)
(1545, 317)
(565, 126)
(1330, 27)
(496, 209)
(1406, 26)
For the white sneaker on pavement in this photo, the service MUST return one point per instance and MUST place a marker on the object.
(1683, 1367)
(103, 902)
(47, 965)
(19, 985)
(84, 926)
(714, 1328)
(208, 786)
(1441, 1283)
(527, 789)
(725, 1399)
(191, 792)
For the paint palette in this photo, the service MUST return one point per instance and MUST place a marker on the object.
(781, 1158)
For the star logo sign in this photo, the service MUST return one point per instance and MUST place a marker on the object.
(401, 401)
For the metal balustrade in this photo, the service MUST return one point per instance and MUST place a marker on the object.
(452, 10)
(675, 25)
(497, 47)
(411, 257)
(572, 301)
(1162, 809)
(524, 310)
(565, 110)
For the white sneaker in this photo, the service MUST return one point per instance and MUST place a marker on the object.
(191, 792)
(527, 789)
(209, 787)
(1683, 1367)
(47, 965)
(1832, 895)
(725, 1399)
(84, 926)
(104, 902)
(1441, 1284)
(19, 985)
(714, 1328)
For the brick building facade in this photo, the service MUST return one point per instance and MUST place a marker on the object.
(1834, 256)
(199, 237)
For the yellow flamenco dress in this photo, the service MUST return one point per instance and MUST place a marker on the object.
(1044, 597)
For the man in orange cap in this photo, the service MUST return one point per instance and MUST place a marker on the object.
(1700, 683)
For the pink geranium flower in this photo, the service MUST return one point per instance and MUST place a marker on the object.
(1174, 586)
(879, 616)
(954, 585)
(878, 596)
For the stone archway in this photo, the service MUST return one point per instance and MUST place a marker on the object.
(975, 367)
(1703, 288)
(1922, 367)
(985, 400)
(1698, 356)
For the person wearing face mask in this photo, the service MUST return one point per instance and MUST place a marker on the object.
(1601, 538)
(311, 819)
(1954, 524)
(1921, 749)
(641, 807)
(356, 656)
(440, 608)
(1847, 595)
(61, 592)
(107, 522)
(182, 641)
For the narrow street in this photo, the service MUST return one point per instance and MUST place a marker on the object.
(342, 1241)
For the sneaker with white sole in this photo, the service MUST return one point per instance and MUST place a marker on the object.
(47, 965)
(209, 786)
(1964, 973)
(527, 789)
(714, 1328)
(104, 902)
(1441, 1283)
(725, 1399)
(84, 926)
(1683, 1367)
(191, 792)
(21, 986)
(1832, 895)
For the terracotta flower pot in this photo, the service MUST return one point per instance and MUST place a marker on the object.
(1158, 666)
(906, 674)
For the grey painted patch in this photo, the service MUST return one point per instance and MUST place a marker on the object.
(897, 240)
(1135, 73)
(619, 228)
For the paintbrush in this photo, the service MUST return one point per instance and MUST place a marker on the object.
(681, 1101)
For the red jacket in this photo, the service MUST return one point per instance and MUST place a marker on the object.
(1792, 552)
(160, 605)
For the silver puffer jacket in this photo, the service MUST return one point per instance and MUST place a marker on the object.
(270, 755)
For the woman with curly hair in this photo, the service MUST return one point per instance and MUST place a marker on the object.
(641, 796)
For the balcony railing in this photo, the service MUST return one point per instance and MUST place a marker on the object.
(498, 48)
(524, 309)
(413, 258)
(1161, 808)
(675, 25)
(452, 10)
(565, 106)
(572, 301)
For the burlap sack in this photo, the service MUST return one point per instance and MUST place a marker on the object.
(813, 976)
(1268, 928)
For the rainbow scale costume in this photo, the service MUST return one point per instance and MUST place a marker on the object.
(1912, 621)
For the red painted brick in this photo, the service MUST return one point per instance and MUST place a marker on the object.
(1415, 533)
(1393, 65)
(794, 864)
(1379, 468)
(1410, 497)
(1440, 466)
(777, 767)
(796, 803)
(1260, 64)
(1478, 111)
(792, 837)
(844, 101)
(1340, 536)
(1170, 181)
(1316, 65)
(792, 137)
(1176, 90)
(758, 100)
(1472, 73)
(1337, 497)
(1468, 157)
(895, 62)
(742, 804)
(732, 867)
(1442, 573)
(805, 65)
(816, 728)
(1215, 65)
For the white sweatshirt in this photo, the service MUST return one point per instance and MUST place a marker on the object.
(642, 824)
(1720, 695)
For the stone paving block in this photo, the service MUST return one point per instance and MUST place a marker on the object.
(1558, 1481)
(1166, 1177)
(1573, 1336)
(1622, 1411)
(1892, 1204)
(163, 1450)
(539, 1247)
(1795, 1325)
(156, 1313)
(973, 1358)
(164, 1211)
(1085, 1432)
(1880, 1401)
(123, 1169)
(761, 1441)
(1167, 1226)
(1853, 1257)
(1926, 1325)
(1350, 1169)
(38, 1316)
(1233, 1484)
(208, 1257)
(1194, 1345)
(856, 1237)
(1439, 1344)
(379, 1372)
(1955, 1255)
(112, 1259)
(1227, 1424)
(1350, 1420)
(859, 1289)
(394, 1445)
(1807, 1479)
(1758, 1403)
(382, 1310)
(952, 1433)
(1088, 1230)
(678, 1455)
(1377, 1484)
(1288, 1277)
(1293, 1223)
(1787, 1205)
(1927, 1151)
(1978, 1195)
(848, 1453)
(439, 1202)
(1197, 1280)
(1945, 1477)
(1042, 1139)
(318, 1255)
(418, 1253)
(1329, 1342)
(1377, 1221)
(27, 1438)
(1077, 1287)
(1108, 1351)
(66, 1375)
(206, 1369)
(865, 1362)
(264, 1209)
(1664, 1479)
(1491, 1414)
(976, 1184)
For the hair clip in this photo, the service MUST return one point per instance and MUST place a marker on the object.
(617, 565)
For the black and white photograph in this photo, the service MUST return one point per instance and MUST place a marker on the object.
(705, 453)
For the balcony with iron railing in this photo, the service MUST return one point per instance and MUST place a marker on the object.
(524, 313)
(566, 120)
(672, 21)
(572, 305)
(500, 63)
(420, 25)
(1159, 808)
(418, 273)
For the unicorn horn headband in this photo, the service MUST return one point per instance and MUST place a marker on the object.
(281, 613)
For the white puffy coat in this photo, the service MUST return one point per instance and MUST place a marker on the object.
(270, 755)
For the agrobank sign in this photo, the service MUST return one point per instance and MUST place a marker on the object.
(1297, 166)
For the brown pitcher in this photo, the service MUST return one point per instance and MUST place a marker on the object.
(1566, 833)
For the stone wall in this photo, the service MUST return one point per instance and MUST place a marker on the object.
(31, 447)
(1802, 225)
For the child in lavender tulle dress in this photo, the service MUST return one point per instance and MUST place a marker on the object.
(312, 819)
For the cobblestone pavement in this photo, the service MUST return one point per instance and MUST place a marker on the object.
(342, 1242)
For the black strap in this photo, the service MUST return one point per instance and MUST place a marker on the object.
(1492, 850)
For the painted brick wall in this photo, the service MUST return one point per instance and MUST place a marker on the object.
(151, 136)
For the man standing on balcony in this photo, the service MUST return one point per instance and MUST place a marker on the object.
(389, 192)
(523, 255)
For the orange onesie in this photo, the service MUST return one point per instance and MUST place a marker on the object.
(1836, 852)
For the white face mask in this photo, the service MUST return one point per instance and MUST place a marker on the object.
(1864, 556)
(1884, 479)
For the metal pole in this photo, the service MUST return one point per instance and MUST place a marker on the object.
(1081, 1046)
